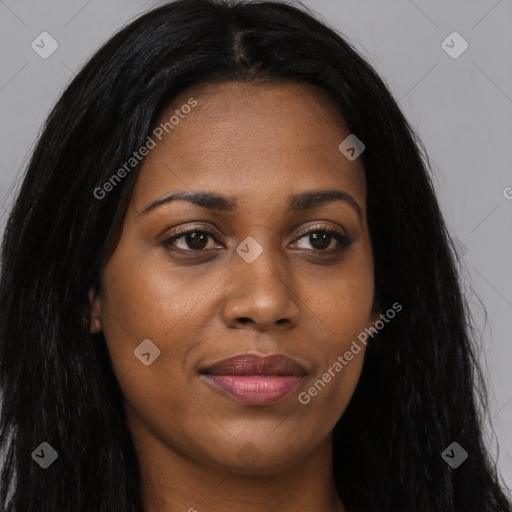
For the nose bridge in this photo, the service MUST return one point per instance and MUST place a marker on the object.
(260, 267)
(260, 289)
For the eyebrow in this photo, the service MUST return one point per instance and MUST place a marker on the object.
(296, 202)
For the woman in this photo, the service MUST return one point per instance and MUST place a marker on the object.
(226, 284)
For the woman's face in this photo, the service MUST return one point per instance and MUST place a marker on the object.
(267, 279)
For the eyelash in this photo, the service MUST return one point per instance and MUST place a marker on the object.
(344, 241)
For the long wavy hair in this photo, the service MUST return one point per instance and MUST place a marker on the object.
(420, 388)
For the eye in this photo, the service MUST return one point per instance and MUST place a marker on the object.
(191, 240)
(323, 239)
(320, 239)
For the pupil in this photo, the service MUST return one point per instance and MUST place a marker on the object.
(196, 240)
(320, 240)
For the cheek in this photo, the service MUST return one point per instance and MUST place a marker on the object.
(142, 302)
(148, 301)
(340, 356)
(329, 391)
(341, 299)
(342, 307)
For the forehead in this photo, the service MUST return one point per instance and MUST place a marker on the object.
(245, 139)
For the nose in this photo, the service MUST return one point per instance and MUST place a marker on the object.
(260, 296)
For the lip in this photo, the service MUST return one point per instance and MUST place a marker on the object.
(255, 379)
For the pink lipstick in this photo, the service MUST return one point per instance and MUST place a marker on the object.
(254, 379)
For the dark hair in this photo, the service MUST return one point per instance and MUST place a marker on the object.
(416, 394)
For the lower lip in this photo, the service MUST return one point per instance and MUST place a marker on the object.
(255, 389)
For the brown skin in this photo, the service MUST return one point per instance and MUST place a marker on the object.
(258, 143)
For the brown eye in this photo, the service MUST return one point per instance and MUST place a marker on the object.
(193, 240)
(320, 240)
(324, 240)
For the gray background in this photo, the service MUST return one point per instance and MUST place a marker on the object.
(461, 108)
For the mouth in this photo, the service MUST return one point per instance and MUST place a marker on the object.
(255, 380)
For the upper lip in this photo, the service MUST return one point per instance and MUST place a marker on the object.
(254, 364)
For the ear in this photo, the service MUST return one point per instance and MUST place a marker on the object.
(95, 312)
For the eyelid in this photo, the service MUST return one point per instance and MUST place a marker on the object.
(322, 227)
(342, 237)
(187, 228)
(344, 240)
(183, 230)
